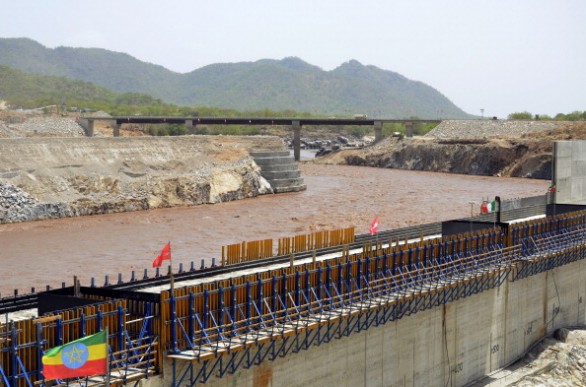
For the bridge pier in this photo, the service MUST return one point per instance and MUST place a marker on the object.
(191, 128)
(116, 129)
(378, 131)
(409, 129)
(89, 130)
(296, 126)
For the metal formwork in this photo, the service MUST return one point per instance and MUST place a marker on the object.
(132, 344)
(225, 326)
(549, 243)
(217, 330)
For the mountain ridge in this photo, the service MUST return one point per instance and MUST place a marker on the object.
(286, 84)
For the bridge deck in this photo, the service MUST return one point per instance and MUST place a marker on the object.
(251, 120)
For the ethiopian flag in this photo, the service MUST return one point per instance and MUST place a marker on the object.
(82, 357)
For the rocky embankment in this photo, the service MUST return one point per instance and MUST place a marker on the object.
(42, 178)
(558, 360)
(489, 148)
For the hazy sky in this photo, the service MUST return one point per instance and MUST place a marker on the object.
(502, 56)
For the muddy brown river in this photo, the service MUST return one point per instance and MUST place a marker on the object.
(36, 254)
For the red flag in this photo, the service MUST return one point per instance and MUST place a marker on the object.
(374, 226)
(165, 254)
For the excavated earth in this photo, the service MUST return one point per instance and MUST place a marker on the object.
(48, 177)
(486, 148)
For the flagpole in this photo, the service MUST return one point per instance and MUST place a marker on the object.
(172, 284)
(107, 380)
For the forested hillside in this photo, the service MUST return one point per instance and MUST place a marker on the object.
(284, 84)
(30, 90)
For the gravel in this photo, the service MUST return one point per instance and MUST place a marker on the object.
(43, 127)
(14, 203)
(463, 129)
(18, 206)
(6, 132)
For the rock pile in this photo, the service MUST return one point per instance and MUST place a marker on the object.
(44, 126)
(15, 204)
(462, 129)
(5, 131)
(556, 361)
(12, 197)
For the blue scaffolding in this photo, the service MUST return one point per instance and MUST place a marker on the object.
(131, 357)
(219, 340)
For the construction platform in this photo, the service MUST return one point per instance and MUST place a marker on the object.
(259, 306)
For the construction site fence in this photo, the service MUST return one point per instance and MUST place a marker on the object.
(510, 209)
(248, 251)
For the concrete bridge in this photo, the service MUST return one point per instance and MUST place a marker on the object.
(295, 124)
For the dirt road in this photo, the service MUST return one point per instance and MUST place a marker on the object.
(37, 254)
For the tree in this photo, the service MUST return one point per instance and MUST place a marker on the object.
(575, 116)
(520, 116)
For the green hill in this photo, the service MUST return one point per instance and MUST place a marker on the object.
(287, 84)
(32, 90)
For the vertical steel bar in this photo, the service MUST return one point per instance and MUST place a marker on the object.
(82, 324)
(248, 303)
(120, 328)
(233, 301)
(220, 309)
(191, 317)
(297, 288)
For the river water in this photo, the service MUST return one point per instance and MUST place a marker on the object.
(36, 254)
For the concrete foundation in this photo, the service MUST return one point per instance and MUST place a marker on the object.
(453, 344)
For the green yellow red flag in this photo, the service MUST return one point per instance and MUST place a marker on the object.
(82, 357)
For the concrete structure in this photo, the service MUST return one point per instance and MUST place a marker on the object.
(569, 172)
(280, 170)
(454, 344)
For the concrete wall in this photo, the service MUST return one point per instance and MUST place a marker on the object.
(453, 344)
(569, 172)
